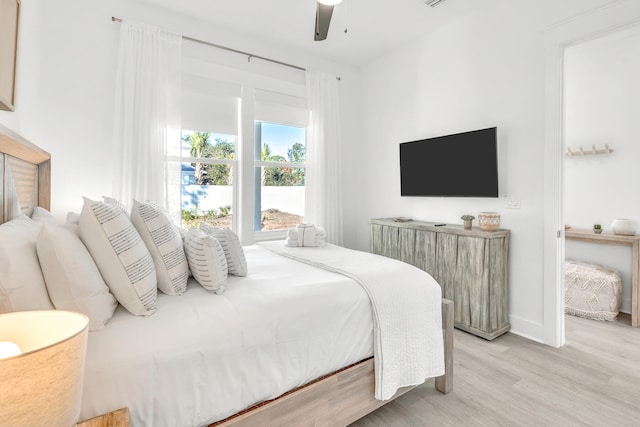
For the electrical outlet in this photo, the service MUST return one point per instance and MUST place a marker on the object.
(512, 203)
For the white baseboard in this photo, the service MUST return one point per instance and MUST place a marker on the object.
(527, 329)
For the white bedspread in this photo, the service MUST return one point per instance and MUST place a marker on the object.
(202, 357)
(406, 301)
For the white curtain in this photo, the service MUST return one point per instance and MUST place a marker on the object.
(147, 115)
(323, 196)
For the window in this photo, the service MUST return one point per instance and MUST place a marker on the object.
(208, 161)
(207, 155)
(280, 153)
(242, 145)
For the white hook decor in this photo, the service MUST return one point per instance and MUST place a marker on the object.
(594, 151)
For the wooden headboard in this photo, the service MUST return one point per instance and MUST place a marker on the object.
(25, 175)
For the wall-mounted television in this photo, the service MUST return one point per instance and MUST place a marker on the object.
(459, 165)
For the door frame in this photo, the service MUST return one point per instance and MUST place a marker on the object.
(607, 19)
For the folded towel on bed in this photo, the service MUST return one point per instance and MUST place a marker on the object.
(306, 235)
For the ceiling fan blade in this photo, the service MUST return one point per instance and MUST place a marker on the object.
(323, 19)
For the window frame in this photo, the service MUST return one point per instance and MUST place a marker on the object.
(211, 161)
(263, 93)
(264, 235)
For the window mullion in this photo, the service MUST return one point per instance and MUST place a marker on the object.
(209, 161)
(280, 165)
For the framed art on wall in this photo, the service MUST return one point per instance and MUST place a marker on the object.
(9, 14)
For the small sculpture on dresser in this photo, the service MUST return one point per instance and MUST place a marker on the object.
(468, 220)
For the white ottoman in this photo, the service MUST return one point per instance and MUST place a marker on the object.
(592, 291)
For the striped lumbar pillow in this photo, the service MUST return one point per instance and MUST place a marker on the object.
(121, 256)
(232, 248)
(207, 261)
(165, 245)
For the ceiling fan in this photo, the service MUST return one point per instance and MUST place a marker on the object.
(324, 10)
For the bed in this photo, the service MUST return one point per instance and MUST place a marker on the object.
(291, 343)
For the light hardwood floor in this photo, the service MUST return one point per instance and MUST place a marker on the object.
(594, 380)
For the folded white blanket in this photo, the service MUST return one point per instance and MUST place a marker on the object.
(306, 235)
(406, 302)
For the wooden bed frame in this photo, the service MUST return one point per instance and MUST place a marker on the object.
(340, 398)
(337, 399)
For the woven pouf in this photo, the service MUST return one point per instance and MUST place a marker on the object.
(592, 291)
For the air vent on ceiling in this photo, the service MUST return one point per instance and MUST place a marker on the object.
(432, 3)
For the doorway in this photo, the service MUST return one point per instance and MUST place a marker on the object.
(588, 27)
(601, 110)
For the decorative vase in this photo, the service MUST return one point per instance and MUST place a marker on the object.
(623, 226)
(489, 221)
(467, 224)
(597, 230)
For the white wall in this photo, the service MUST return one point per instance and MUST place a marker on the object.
(482, 67)
(601, 107)
(63, 90)
(66, 79)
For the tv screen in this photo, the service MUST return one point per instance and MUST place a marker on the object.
(460, 165)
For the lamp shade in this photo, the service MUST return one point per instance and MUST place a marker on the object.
(43, 384)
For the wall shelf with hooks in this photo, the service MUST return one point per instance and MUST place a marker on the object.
(588, 152)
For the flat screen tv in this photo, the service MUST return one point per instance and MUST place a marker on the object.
(459, 165)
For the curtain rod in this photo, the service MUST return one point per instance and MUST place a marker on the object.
(249, 55)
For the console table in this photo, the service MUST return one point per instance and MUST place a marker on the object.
(470, 266)
(616, 239)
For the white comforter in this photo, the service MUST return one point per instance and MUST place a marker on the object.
(202, 357)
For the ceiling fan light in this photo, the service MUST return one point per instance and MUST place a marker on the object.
(330, 2)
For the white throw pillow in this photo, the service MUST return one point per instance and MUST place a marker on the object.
(72, 218)
(22, 285)
(165, 245)
(121, 256)
(42, 215)
(236, 261)
(72, 278)
(207, 261)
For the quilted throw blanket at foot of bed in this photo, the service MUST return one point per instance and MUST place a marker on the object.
(406, 305)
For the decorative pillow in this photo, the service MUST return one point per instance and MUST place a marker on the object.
(42, 215)
(121, 256)
(22, 285)
(115, 202)
(182, 232)
(165, 245)
(73, 218)
(233, 251)
(72, 278)
(207, 261)
(183, 235)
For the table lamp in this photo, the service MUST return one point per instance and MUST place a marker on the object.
(42, 356)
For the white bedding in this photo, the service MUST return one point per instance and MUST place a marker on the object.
(202, 357)
(406, 303)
